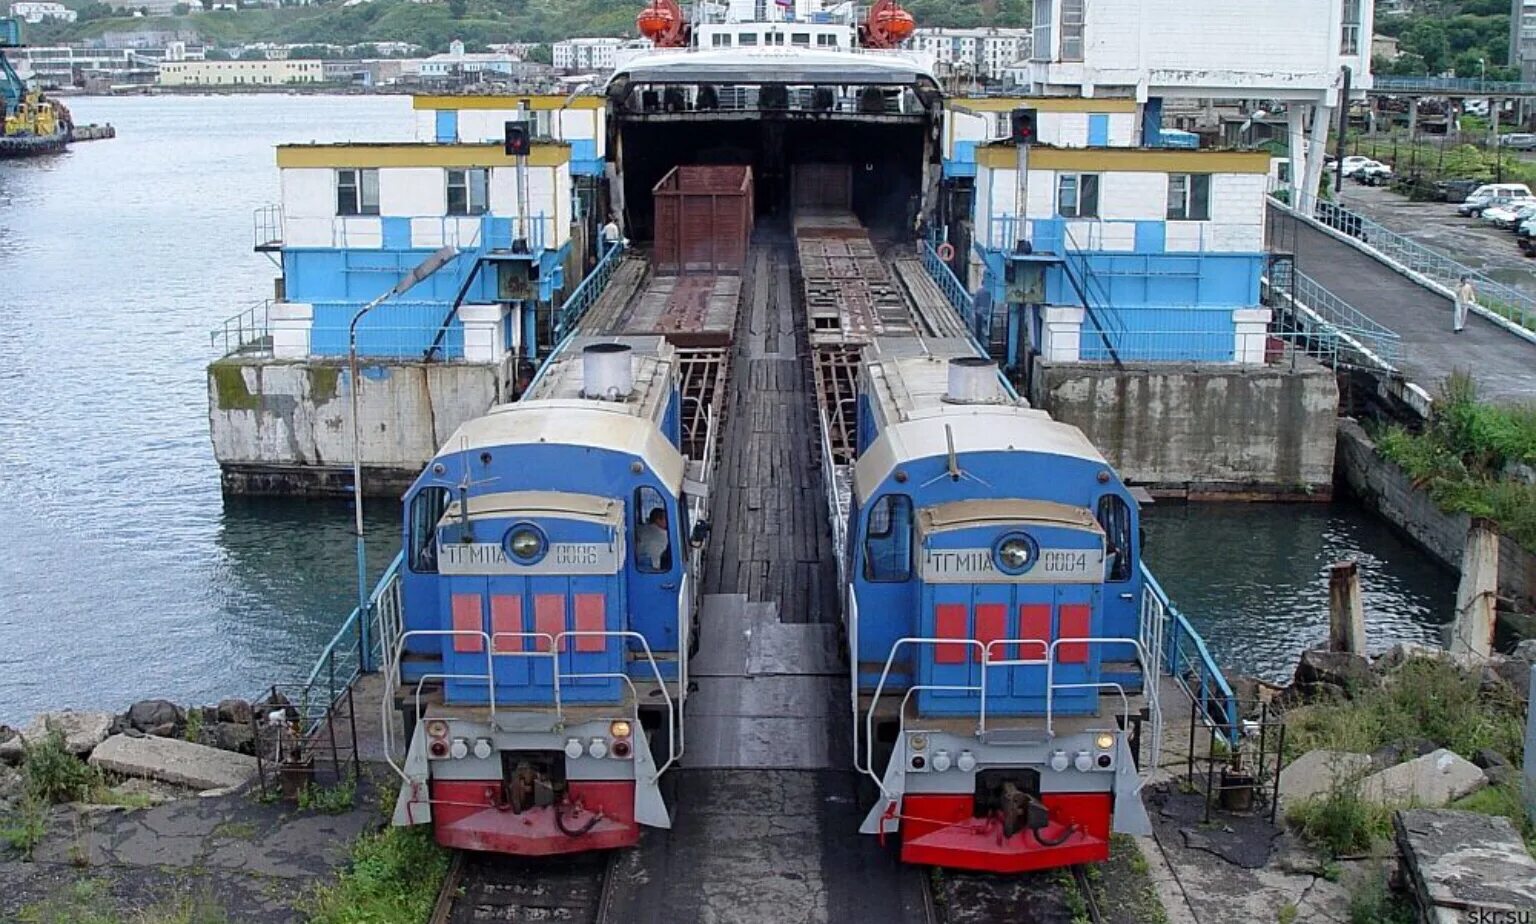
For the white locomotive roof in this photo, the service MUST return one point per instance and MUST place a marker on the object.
(976, 428)
(776, 64)
(554, 411)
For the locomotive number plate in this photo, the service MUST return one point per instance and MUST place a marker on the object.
(1053, 566)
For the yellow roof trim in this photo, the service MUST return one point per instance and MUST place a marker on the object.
(1126, 160)
(1041, 104)
(536, 101)
(544, 154)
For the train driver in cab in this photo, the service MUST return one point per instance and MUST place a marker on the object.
(653, 543)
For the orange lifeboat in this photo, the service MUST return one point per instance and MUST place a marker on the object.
(888, 25)
(654, 22)
(899, 25)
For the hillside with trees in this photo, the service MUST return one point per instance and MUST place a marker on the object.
(1464, 37)
(434, 24)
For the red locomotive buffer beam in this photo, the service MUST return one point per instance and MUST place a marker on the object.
(474, 815)
(942, 830)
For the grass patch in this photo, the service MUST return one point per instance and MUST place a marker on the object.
(393, 878)
(1373, 903)
(25, 828)
(52, 774)
(330, 800)
(1503, 800)
(1340, 821)
(89, 901)
(1463, 456)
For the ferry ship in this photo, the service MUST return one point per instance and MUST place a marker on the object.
(33, 123)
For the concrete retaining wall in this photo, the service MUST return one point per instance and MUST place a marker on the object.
(1390, 492)
(1203, 431)
(285, 427)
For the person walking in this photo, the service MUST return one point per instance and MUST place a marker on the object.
(1466, 297)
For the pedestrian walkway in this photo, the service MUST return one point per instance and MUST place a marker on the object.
(1503, 364)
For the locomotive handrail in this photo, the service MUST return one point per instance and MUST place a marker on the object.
(673, 740)
(869, 716)
(1213, 692)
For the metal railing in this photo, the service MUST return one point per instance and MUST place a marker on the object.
(1327, 328)
(248, 331)
(1457, 85)
(587, 292)
(267, 227)
(1186, 659)
(1503, 300)
(797, 99)
(948, 282)
(465, 232)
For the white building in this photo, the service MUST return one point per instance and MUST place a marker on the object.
(457, 61)
(37, 12)
(983, 53)
(239, 73)
(585, 54)
(1522, 38)
(58, 65)
(155, 7)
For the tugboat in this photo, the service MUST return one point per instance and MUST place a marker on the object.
(33, 123)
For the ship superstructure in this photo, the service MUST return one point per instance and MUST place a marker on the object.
(33, 124)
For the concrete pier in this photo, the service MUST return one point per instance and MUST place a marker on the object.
(286, 427)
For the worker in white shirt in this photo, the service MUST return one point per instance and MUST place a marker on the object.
(610, 233)
(1466, 297)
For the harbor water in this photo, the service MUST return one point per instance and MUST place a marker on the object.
(125, 574)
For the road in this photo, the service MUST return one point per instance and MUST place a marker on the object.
(1503, 364)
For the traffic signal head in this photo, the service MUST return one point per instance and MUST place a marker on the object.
(1023, 121)
(518, 142)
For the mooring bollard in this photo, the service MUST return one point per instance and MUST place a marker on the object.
(1346, 610)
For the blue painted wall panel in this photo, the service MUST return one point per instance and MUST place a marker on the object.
(1098, 131)
(447, 126)
(397, 233)
(1151, 236)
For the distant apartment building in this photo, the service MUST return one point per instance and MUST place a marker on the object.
(37, 12)
(585, 54)
(62, 66)
(151, 7)
(1522, 38)
(457, 62)
(985, 53)
(239, 73)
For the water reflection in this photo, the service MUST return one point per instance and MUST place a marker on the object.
(1254, 578)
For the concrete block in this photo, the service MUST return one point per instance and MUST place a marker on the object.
(484, 333)
(1455, 861)
(1063, 334)
(290, 323)
(82, 732)
(1316, 772)
(1250, 332)
(1432, 780)
(171, 760)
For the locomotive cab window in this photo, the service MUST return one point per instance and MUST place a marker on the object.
(1115, 518)
(888, 540)
(653, 533)
(426, 509)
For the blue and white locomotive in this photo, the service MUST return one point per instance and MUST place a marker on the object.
(992, 606)
(548, 594)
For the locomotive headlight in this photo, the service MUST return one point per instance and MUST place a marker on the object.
(437, 728)
(941, 761)
(483, 748)
(966, 761)
(1059, 761)
(459, 749)
(573, 748)
(1015, 553)
(619, 729)
(918, 742)
(1083, 761)
(525, 544)
(1104, 741)
(598, 748)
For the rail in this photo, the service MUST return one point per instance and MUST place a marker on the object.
(248, 331)
(588, 292)
(1329, 329)
(1503, 300)
(1189, 662)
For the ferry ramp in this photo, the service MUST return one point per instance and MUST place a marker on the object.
(1500, 362)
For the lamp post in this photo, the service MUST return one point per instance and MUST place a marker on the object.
(424, 269)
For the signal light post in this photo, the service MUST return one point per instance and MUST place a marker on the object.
(1023, 124)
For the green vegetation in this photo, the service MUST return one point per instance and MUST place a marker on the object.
(329, 800)
(1464, 455)
(89, 901)
(1470, 37)
(51, 775)
(194, 730)
(433, 25)
(393, 878)
(1424, 698)
(1373, 903)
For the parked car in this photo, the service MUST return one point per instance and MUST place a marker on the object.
(1374, 173)
(1455, 190)
(1354, 162)
(1505, 213)
(1520, 141)
(1485, 195)
(1514, 215)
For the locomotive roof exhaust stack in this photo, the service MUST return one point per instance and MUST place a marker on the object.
(973, 380)
(607, 372)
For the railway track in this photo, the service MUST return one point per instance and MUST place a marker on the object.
(487, 888)
(1049, 897)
